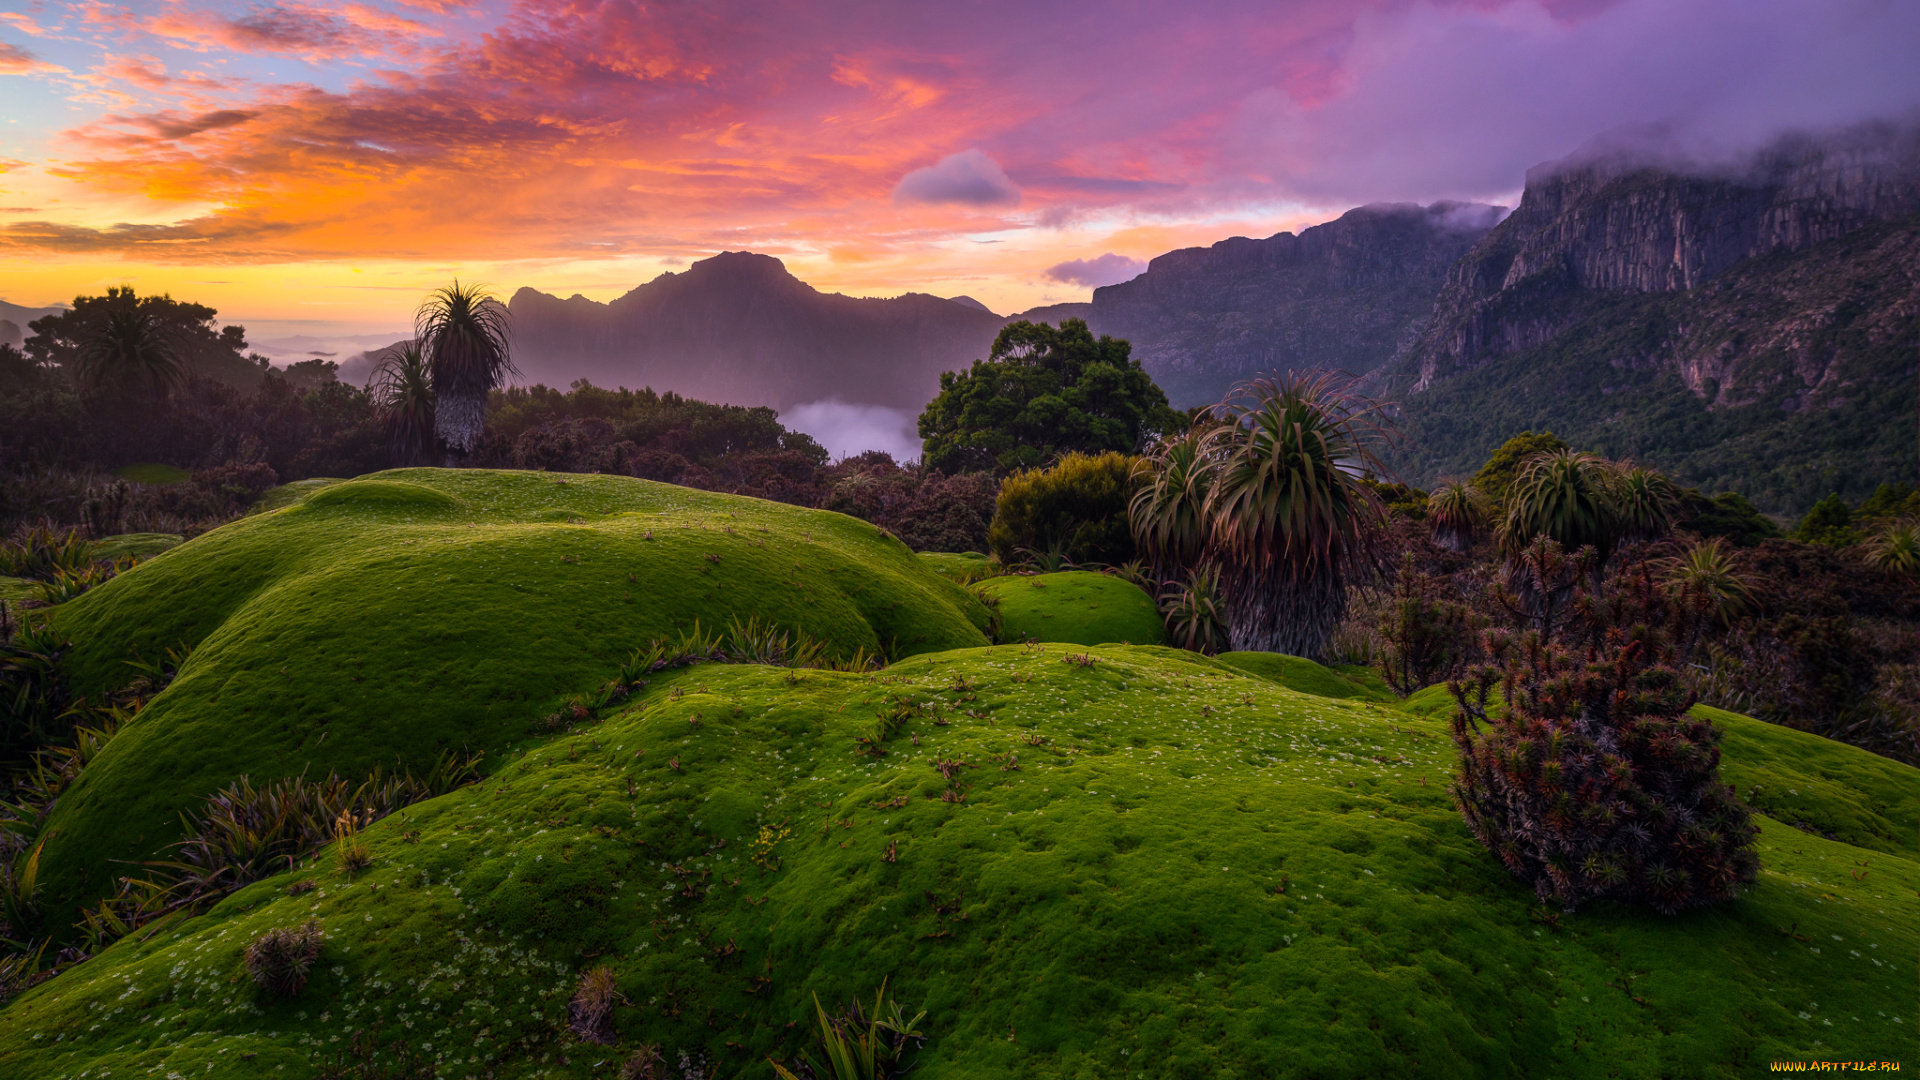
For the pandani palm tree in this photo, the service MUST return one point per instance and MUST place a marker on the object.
(1168, 512)
(1566, 495)
(130, 349)
(467, 340)
(1291, 523)
(1645, 502)
(402, 388)
(1457, 512)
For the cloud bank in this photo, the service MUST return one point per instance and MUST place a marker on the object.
(1108, 269)
(620, 128)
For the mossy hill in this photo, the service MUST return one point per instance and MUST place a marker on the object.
(1077, 607)
(389, 618)
(1146, 862)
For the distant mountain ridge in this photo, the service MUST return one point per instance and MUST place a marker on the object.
(739, 328)
(1339, 296)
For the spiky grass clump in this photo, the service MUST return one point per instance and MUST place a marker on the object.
(1195, 611)
(1567, 496)
(590, 1013)
(279, 960)
(1168, 511)
(1895, 548)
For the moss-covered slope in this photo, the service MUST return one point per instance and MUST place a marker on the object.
(1160, 867)
(1078, 607)
(394, 616)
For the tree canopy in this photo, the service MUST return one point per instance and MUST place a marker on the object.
(88, 341)
(1041, 392)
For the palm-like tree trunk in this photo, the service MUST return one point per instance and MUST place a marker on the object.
(459, 419)
(1270, 613)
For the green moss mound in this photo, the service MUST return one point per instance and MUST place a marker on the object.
(391, 617)
(138, 545)
(287, 494)
(965, 567)
(150, 472)
(1296, 673)
(1078, 607)
(1186, 873)
(15, 589)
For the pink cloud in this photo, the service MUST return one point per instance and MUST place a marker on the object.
(15, 60)
(868, 128)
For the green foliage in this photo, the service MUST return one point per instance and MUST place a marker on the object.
(1168, 510)
(42, 553)
(1019, 910)
(1041, 392)
(1076, 607)
(466, 339)
(1291, 521)
(1889, 501)
(153, 472)
(859, 1044)
(1428, 634)
(1077, 508)
(1712, 573)
(402, 389)
(1195, 612)
(1829, 522)
(1727, 515)
(1497, 475)
(1895, 548)
(1567, 497)
(134, 347)
(1458, 513)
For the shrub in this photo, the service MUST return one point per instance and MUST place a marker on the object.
(590, 1013)
(1427, 632)
(1829, 522)
(279, 960)
(1592, 780)
(1077, 508)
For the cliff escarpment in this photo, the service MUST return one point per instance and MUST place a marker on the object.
(1604, 222)
(1340, 296)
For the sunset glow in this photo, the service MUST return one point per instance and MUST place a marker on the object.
(317, 165)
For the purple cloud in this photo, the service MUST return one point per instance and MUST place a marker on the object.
(1108, 269)
(968, 178)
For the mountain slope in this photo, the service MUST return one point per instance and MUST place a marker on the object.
(1752, 330)
(739, 328)
(1339, 296)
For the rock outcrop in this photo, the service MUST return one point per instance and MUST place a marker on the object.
(1605, 221)
(1340, 296)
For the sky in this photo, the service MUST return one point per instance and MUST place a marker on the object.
(312, 168)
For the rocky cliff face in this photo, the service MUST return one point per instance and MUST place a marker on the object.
(1603, 222)
(1340, 296)
(1752, 331)
(739, 328)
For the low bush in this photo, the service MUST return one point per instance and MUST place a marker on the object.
(1077, 510)
(279, 960)
(1592, 780)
